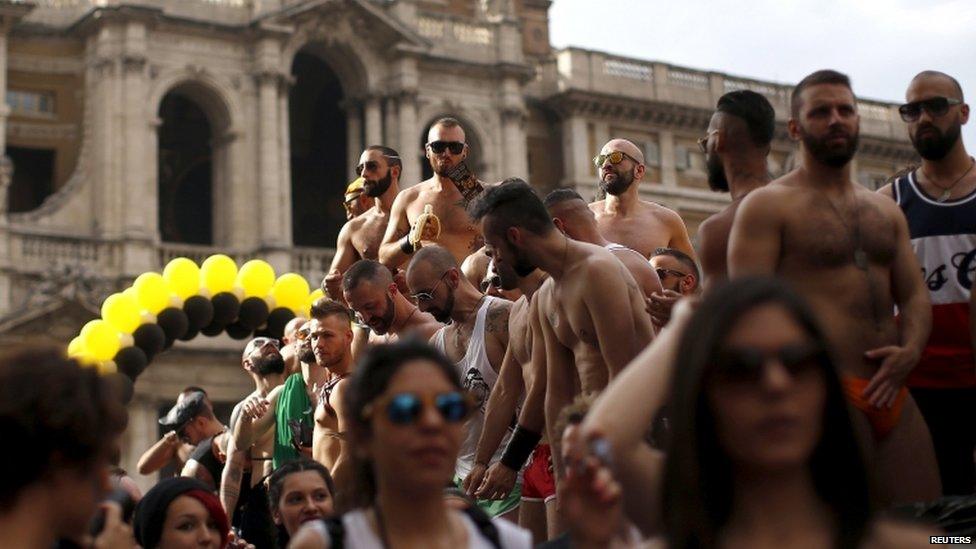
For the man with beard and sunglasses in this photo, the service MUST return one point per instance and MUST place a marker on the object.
(475, 340)
(591, 319)
(360, 237)
(939, 202)
(242, 491)
(847, 251)
(446, 149)
(735, 147)
(622, 216)
(378, 304)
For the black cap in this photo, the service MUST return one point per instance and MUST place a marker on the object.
(184, 410)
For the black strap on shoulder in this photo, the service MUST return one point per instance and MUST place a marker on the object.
(485, 526)
(337, 532)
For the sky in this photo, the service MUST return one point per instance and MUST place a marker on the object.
(880, 44)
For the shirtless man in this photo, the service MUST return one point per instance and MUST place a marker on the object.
(591, 318)
(247, 467)
(446, 148)
(354, 201)
(331, 341)
(622, 216)
(475, 340)
(572, 217)
(479, 269)
(680, 277)
(168, 449)
(735, 147)
(847, 251)
(520, 380)
(360, 237)
(371, 293)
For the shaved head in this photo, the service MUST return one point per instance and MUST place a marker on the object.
(435, 259)
(293, 326)
(623, 146)
(938, 75)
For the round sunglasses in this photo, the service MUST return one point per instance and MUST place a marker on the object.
(406, 408)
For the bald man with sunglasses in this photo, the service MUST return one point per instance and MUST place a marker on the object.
(622, 216)
(446, 149)
(360, 238)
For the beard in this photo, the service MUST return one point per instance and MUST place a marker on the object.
(835, 156)
(441, 168)
(306, 354)
(444, 315)
(618, 184)
(374, 188)
(937, 144)
(716, 174)
(268, 365)
(385, 321)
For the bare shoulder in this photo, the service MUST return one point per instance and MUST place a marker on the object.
(887, 190)
(498, 316)
(770, 200)
(596, 207)
(886, 533)
(657, 210)
(427, 327)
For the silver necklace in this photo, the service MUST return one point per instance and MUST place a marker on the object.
(947, 191)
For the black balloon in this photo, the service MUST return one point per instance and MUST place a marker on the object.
(190, 334)
(277, 321)
(174, 323)
(131, 361)
(150, 338)
(238, 331)
(226, 307)
(213, 329)
(199, 310)
(254, 312)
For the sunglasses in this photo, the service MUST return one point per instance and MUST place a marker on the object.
(703, 141)
(259, 343)
(615, 157)
(746, 366)
(437, 147)
(661, 273)
(487, 283)
(427, 295)
(937, 106)
(406, 408)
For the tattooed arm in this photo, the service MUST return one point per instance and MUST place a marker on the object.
(230, 480)
(496, 332)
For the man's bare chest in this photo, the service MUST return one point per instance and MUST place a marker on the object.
(831, 238)
(368, 237)
(642, 233)
(453, 217)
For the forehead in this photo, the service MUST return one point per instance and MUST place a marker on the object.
(419, 376)
(363, 292)
(331, 323)
(665, 262)
(371, 155)
(304, 480)
(421, 272)
(766, 326)
(927, 87)
(443, 133)
(186, 505)
(826, 94)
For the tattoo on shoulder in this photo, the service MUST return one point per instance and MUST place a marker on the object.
(497, 320)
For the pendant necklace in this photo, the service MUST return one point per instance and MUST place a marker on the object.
(860, 256)
(947, 191)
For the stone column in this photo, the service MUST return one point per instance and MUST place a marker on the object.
(409, 139)
(514, 144)
(669, 171)
(142, 432)
(269, 161)
(391, 134)
(374, 121)
(354, 136)
(575, 153)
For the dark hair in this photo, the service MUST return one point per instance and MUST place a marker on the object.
(366, 269)
(825, 76)
(447, 122)
(684, 258)
(194, 389)
(392, 157)
(325, 307)
(370, 378)
(940, 74)
(753, 109)
(698, 483)
(276, 482)
(57, 413)
(439, 258)
(513, 203)
(561, 195)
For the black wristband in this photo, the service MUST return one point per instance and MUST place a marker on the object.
(406, 246)
(519, 448)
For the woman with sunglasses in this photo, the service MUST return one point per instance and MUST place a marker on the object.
(408, 415)
(762, 451)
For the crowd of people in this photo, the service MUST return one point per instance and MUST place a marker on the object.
(493, 368)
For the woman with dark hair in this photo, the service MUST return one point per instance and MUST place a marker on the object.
(762, 451)
(407, 414)
(298, 492)
(182, 513)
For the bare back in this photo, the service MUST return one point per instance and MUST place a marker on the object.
(642, 271)
(713, 243)
(650, 227)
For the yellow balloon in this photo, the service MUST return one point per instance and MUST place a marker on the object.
(315, 296)
(100, 339)
(182, 277)
(290, 290)
(256, 277)
(151, 292)
(76, 347)
(218, 274)
(122, 312)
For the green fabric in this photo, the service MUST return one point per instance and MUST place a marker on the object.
(293, 403)
(497, 507)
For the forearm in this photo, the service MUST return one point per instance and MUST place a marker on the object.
(230, 481)
(533, 414)
(498, 413)
(156, 457)
(915, 322)
(392, 254)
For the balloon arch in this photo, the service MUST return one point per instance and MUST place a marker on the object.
(184, 301)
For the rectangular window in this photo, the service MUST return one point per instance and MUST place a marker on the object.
(31, 103)
(652, 153)
(682, 157)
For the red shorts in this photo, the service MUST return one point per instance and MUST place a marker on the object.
(538, 482)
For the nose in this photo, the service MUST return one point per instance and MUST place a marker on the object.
(776, 378)
(430, 418)
(205, 538)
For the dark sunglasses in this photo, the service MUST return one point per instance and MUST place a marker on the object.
(427, 295)
(615, 157)
(495, 281)
(747, 365)
(440, 146)
(406, 408)
(661, 273)
(937, 106)
(372, 165)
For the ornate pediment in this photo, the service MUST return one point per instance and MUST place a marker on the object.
(347, 19)
(58, 304)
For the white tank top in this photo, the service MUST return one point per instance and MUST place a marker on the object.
(360, 535)
(477, 378)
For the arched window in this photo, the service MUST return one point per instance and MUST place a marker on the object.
(185, 163)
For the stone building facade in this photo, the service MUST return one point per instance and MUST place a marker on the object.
(136, 131)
